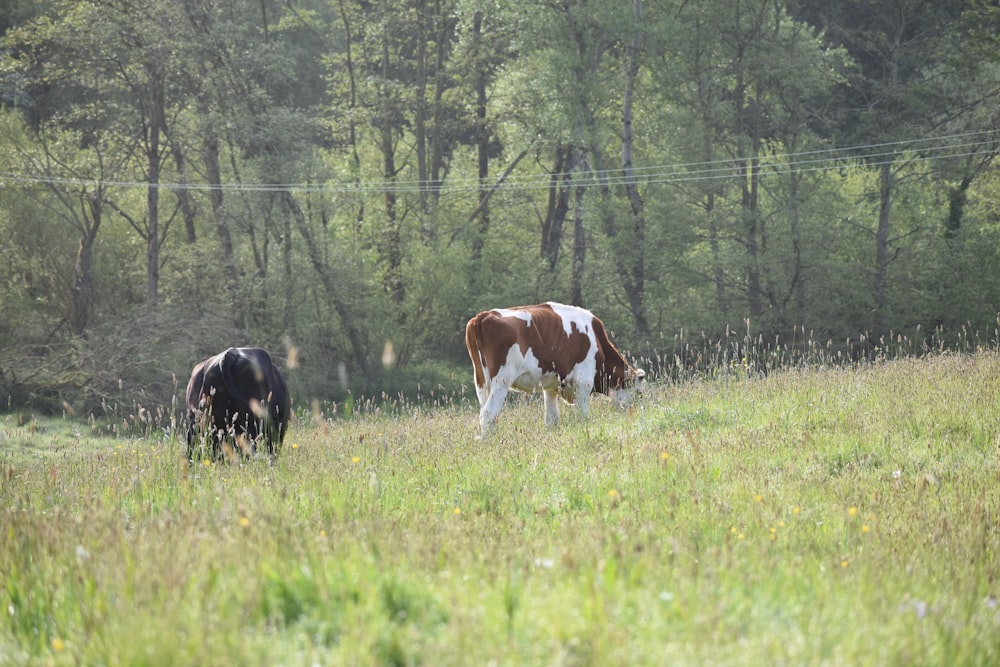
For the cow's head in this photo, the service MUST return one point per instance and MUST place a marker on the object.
(633, 386)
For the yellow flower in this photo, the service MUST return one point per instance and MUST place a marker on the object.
(322, 533)
(207, 462)
(58, 644)
(664, 456)
(457, 511)
(295, 445)
(758, 498)
(865, 528)
(852, 510)
(245, 522)
(612, 493)
(741, 536)
(796, 510)
(355, 459)
(843, 563)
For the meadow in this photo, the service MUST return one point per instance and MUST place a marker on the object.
(818, 515)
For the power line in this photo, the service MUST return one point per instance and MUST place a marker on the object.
(927, 149)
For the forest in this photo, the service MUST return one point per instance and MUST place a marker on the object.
(347, 182)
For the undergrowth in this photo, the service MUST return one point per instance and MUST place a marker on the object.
(837, 514)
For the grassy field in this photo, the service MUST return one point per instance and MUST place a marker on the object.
(823, 516)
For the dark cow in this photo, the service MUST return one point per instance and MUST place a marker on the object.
(565, 350)
(237, 395)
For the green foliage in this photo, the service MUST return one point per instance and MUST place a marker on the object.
(339, 179)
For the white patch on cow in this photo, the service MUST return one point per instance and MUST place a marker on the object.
(519, 371)
(483, 392)
(522, 315)
(523, 372)
(570, 315)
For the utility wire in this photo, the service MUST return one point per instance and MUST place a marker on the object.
(928, 149)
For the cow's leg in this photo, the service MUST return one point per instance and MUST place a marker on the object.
(583, 404)
(483, 393)
(495, 397)
(551, 399)
(583, 390)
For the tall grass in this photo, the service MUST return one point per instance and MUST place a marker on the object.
(837, 515)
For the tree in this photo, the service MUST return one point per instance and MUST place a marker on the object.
(117, 52)
(752, 83)
(72, 185)
(894, 98)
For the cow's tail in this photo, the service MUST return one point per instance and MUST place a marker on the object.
(473, 341)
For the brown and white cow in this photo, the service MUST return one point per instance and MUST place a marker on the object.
(565, 350)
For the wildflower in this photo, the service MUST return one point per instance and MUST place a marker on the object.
(865, 528)
(322, 533)
(613, 493)
(355, 459)
(207, 462)
(758, 498)
(295, 445)
(664, 456)
(58, 644)
(796, 510)
(741, 536)
(843, 563)
(245, 522)
(853, 511)
(457, 511)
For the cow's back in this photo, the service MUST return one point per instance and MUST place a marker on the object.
(232, 387)
(556, 337)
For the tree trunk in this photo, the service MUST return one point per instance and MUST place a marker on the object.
(444, 25)
(420, 105)
(351, 122)
(957, 198)
(183, 194)
(82, 298)
(560, 185)
(882, 258)
(798, 270)
(331, 290)
(635, 278)
(156, 122)
(213, 173)
(579, 251)
(391, 250)
(482, 137)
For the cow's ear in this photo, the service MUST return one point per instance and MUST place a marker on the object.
(640, 374)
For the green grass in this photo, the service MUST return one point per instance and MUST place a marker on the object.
(834, 516)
